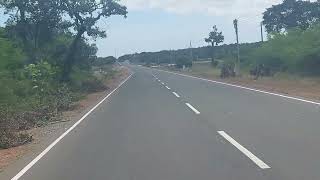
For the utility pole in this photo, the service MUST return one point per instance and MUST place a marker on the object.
(115, 53)
(237, 65)
(191, 53)
(261, 27)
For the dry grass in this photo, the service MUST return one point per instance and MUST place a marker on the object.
(305, 87)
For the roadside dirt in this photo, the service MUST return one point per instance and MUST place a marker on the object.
(306, 88)
(45, 135)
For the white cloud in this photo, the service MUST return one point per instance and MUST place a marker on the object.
(209, 7)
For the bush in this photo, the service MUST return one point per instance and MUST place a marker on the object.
(11, 58)
(295, 51)
(9, 130)
(85, 81)
(93, 85)
(9, 139)
(227, 69)
(183, 61)
(214, 63)
(30, 97)
(31, 92)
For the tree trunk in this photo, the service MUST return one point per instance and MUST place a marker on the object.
(69, 58)
(212, 55)
(23, 25)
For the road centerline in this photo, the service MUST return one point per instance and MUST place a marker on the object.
(193, 108)
(168, 88)
(176, 94)
(245, 151)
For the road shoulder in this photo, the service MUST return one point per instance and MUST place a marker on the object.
(298, 89)
(13, 158)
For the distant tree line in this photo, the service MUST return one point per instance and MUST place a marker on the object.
(101, 61)
(198, 54)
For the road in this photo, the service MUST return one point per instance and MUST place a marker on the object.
(163, 126)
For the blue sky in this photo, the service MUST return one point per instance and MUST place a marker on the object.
(154, 25)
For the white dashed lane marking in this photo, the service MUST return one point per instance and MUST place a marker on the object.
(192, 108)
(177, 95)
(245, 151)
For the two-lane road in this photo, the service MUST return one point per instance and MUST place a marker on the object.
(162, 126)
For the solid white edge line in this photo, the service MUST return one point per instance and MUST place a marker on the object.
(246, 88)
(44, 152)
(168, 88)
(245, 151)
(177, 95)
(192, 108)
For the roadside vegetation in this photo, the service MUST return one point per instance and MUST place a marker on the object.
(292, 47)
(47, 61)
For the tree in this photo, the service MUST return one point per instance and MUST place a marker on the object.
(33, 23)
(215, 38)
(84, 15)
(291, 14)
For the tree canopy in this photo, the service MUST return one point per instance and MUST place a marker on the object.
(291, 14)
(215, 38)
(32, 23)
(35, 23)
(84, 15)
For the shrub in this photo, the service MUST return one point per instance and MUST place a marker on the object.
(214, 63)
(295, 51)
(9, 139)
(9, 130)
(93, 85)
(84, 81)
(183, 61)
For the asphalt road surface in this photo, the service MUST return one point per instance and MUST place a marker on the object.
(162, 126)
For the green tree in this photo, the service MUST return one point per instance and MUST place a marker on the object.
(34, 23)
(291, 14)
(215, 38)
(84, 15)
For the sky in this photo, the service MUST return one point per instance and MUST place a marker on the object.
(154, 25)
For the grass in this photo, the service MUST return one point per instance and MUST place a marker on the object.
(205, 70)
